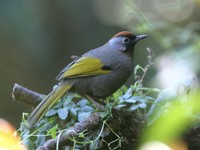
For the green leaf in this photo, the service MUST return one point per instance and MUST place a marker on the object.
(52, 132)
(104, 114)
(63, 113)
(120, 106)
(83, 115)
(128, 93)
(58, 105)
(51, 112)
(139, 98)
(74, 112)
(131, 100)
(142, 105)
(108, 113)
(82, 102)
(68, 98)
(71, 105)
(43, 125)
(134, 107)
(87, 108)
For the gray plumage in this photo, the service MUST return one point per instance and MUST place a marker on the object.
(114, 62)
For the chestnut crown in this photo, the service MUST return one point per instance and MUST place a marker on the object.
(125, 40)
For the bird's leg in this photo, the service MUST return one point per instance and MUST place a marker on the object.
(94, 102)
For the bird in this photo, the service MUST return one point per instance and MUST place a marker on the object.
(95, 75)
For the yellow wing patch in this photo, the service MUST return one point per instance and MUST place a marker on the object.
(85, 66)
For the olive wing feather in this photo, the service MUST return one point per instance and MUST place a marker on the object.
(82, 67)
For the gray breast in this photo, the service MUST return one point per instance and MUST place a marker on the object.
(104, 85)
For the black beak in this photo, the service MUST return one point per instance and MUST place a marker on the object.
(139, 37)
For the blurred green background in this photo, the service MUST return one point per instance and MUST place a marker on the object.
(38, 37)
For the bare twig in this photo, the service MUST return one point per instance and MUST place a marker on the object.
(149, 63)
(139, 78)
(25, 95)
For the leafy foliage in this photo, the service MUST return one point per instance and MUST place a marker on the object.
(72, 109)
(133, 101)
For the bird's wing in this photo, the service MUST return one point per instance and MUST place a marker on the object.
(82, 67)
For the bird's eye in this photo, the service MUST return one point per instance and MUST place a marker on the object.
(126, 40)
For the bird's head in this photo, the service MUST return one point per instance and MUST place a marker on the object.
(125, 40)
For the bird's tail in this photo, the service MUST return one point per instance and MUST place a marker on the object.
(48, 102)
